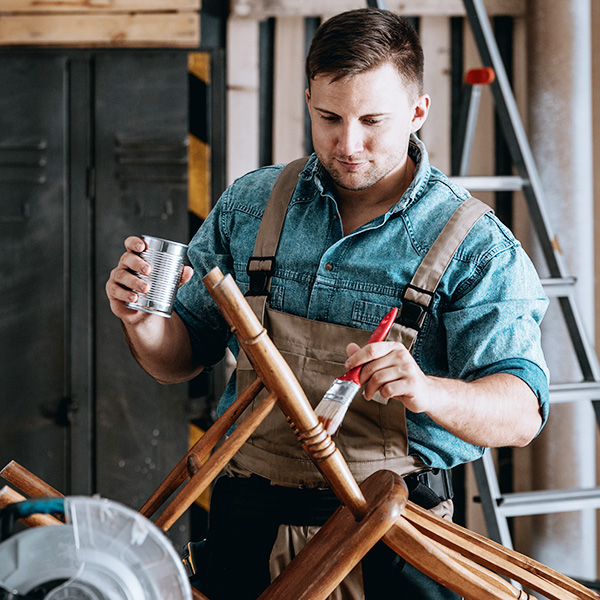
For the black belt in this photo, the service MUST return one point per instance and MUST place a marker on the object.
(255, 497)
(429, 488)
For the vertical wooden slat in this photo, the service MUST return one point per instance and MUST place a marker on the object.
(242, 96)
(288, 101)
(435, 38)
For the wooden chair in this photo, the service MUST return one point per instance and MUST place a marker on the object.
(461, 560)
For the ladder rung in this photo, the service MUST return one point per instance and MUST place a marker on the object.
(549, 501)
(559, 287)
(493, 183)
(573, 392)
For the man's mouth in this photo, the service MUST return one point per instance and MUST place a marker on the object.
(351, 165)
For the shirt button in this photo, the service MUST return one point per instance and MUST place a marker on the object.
(328, 266)
(335, 217)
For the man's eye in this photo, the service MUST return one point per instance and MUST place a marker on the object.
(371, 121)
(329, 118)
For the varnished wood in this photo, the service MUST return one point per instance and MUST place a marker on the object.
(341, 543)
(496, 557)
(209, 470)
(10, 496)
(31, 485)
(196, 595)
(279, 379)
(429, 558)
(201, 449)
(492, 579)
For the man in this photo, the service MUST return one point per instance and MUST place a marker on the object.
(364, 213)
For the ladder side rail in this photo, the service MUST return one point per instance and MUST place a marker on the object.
(468, 124)
(490, 497)
(584, 349)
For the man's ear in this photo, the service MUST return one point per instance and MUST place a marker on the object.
(420, 112)
(307, 96)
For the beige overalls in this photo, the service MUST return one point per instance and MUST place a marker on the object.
(373, 435)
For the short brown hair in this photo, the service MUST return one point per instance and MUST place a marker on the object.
(359, 40)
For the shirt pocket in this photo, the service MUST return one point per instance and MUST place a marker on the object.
(367, 315)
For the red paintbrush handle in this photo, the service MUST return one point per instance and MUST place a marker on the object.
(378, 335)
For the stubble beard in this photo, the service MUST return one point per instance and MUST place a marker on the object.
(358, 181)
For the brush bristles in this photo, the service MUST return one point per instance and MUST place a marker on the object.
(331, 414)
(335, 403)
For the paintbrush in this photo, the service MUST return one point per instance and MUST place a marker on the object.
(336, 401)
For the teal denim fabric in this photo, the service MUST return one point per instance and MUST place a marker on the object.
(485, 314)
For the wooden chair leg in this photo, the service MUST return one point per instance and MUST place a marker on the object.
(207, 472)
(27, 482)
(483, 551)
(431, 559)
(341, 543)
(201, 449)
(10, 496)
(279, 379)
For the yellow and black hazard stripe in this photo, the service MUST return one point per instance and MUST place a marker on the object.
(199, 180)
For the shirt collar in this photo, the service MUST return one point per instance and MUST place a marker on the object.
(315, 171)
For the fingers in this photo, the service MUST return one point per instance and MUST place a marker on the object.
(390, 369)
(186, 275)
(375, 351)
(352, 348)
(124, 284)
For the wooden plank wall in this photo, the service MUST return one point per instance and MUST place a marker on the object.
(100, 23)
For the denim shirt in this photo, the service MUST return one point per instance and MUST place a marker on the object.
(485, 314)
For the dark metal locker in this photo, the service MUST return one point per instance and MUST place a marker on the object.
(141, 187)
(34, 269)
(93, 147)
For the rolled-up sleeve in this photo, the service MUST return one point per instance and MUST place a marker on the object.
(495, 324)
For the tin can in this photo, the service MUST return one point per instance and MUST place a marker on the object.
(167, 259)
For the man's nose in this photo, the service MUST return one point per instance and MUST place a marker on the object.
(350, 139)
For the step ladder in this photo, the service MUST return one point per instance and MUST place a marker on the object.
(498, 506)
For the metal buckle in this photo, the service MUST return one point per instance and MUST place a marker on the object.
(259, 278)
(412, 313)
(438, 481)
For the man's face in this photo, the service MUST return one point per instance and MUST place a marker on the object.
(361, 125)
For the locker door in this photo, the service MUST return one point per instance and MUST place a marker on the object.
(141, 187)
(34, 272)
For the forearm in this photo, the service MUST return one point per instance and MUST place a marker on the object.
(162, 348)
(494, 411)
(497, 410)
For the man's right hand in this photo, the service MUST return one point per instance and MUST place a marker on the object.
(161, 346)
(124, 284)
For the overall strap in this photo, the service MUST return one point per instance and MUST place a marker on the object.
(261, 265)
(418, 294)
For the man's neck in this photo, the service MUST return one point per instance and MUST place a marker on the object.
(358, 207)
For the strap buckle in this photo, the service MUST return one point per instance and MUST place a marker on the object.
(438, 481)
(412, 314)
(259, 275)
